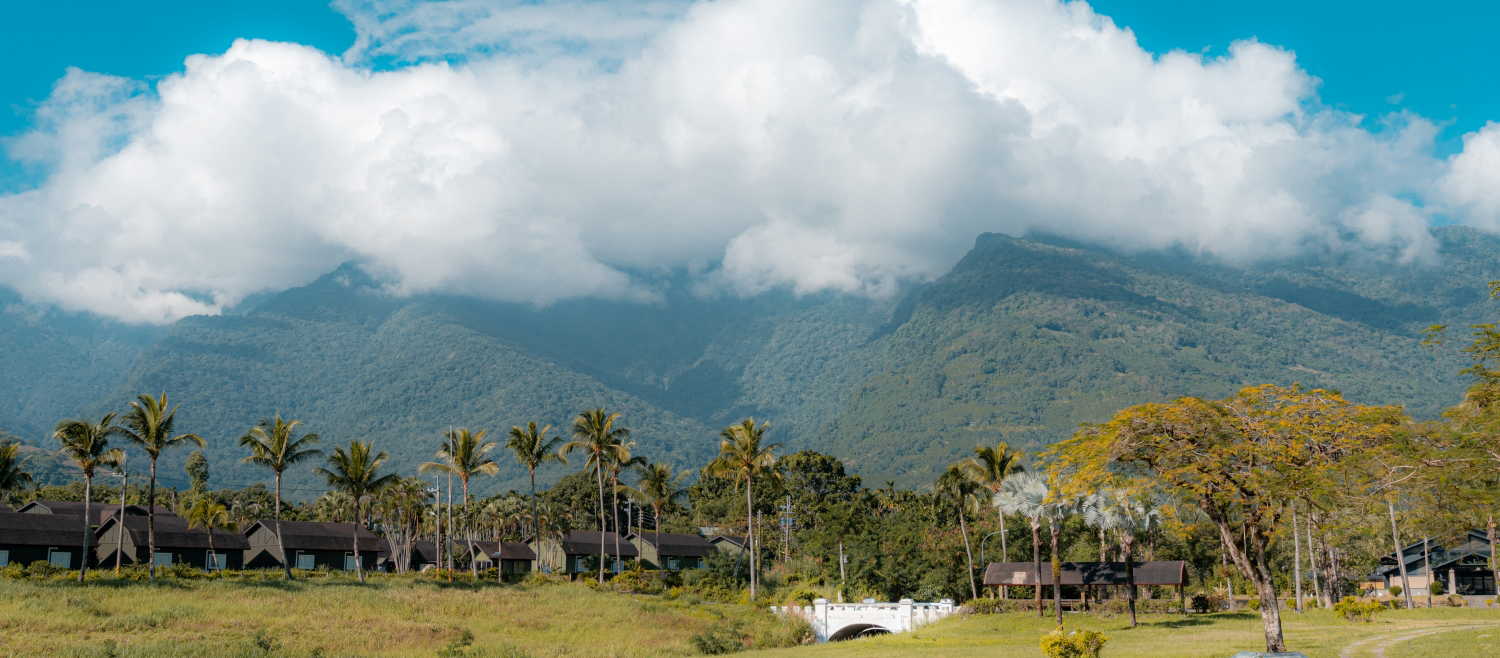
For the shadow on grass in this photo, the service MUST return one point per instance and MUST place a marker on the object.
(164, 583)
(1185, 622)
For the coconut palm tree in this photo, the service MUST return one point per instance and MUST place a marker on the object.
(355, 472)
(957, 487)
(1125, 515)
(12, 476)
(465, 454)
(658, 489)
(989, 467)
(595, 434)
(149, 426)
(1027, 495)
(532, 448)
(87, 444)
(742, 457)
(620, 461)
(208, 514)
(272, 445)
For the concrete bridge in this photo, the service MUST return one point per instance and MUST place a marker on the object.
(832, 622)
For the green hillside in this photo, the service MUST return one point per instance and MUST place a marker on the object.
(1023, 340)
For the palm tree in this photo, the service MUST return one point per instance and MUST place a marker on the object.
(658, 488)
(989, 467)
(532, 448)
(742, 457)
(87, 444)
(1126, 515)
(208, 514)
(957, 487)
(355, 474)
(465, 454)
(149, 426)
(272, 446)
(1027, 494)
(12, 477)
(618, 462)
(594, 433)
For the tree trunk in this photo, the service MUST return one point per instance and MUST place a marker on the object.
(599, 475)
(750, 533)
(469, 533)
(1056, 573)
(359, 565)
(120, 524)
(1128, 540)
(656, 515)
(536, 521)
(88, 497)
(969, 554)
(213, 557)
(150, 523)
(614, 512)
(1256, 570)
(1400, 556)
(1427, 565)
(1036, 560)
(1494, 551)
(1004, 554)
(1296, 561)
(286, 564)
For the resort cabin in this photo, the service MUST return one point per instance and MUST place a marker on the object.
(578, 552)
(423, 556)
(1460, 563)
(514, 557)
(54, 538)
(731, 544)
(176, 543)
(670, 551)
(5, 509)
(97, 511)
(311, 544)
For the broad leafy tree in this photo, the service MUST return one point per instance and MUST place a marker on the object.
(149, 425)
(356, 473)
(533, 448)
(87, 444)
(274, 445)
(595, 435)
(743, 456)
(465, 454)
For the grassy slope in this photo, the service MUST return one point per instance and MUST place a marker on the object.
(1318, 634)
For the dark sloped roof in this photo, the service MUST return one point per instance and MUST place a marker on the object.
(99, 510)
(587, 543)
(505, 550)
(5, 508)
(676, 545)
(737, 540)
(174, 532)
(1085, 573)
(320, 536)
(60, 530)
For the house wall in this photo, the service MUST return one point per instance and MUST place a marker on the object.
(25, 554)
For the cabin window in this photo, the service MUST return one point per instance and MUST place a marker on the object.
(4, 558)
(306, 561)
(215, 561)
(163, 560)
(672, 563)
(62, 559)
(349, 563)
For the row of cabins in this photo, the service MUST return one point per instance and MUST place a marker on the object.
(1461, 563)
(53, 531)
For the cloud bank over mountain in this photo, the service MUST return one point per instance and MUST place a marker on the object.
(539, 152)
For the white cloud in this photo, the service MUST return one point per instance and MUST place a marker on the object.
(834, 145)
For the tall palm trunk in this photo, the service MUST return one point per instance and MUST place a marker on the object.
(963, 528)
(656, 515)
(213, 556)
(614, 510)
(1296, 559)
(599, 475)
(1036, 560)
(536, 523)
(1128, 540)
(469, 532)
(1056, 573)
(286, 564)
(88, 497)
(1004, 551)
(750, 533)
(359, 565)
(1400, 556)
(120, 524)
(150, 523)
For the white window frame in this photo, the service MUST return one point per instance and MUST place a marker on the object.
(312, 561)
(208, 561)
(162, 559)
(349, 562)
(67, 558)
(4, 557)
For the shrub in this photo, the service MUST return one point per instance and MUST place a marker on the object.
(1355, 610)
(1254, 604)
(1395, 590)
(1078, 644)
(789, 631)
(1438, 588)
(42, 570)
(721, 638)
(1456, 601)
(802, 596)
(1205, 602)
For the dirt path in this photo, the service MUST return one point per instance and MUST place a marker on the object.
(1383, 642)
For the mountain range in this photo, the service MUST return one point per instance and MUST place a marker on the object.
(1021, 341)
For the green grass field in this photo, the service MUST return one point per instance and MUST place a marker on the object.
(418, 616)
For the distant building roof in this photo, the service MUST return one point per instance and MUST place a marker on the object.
(319, 535)
(98, 510)
(5, 508)
(737, 540)
(59, 530)
(676, 545)
(587, 543)
(1086, 573)
(174, 532)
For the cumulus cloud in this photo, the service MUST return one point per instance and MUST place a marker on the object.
(537, 152)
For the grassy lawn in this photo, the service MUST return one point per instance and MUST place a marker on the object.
(1318, 634)
(417, 616)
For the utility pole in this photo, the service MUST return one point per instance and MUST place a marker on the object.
(437, 522)
(786, 530)
(120, 524)
(842, 561)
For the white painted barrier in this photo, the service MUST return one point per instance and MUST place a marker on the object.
(841, 621)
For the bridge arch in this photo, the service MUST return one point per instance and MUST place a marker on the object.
(853, 631)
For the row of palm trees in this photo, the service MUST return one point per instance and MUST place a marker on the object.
(997, 476)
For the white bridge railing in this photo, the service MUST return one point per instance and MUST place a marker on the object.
(841, 621)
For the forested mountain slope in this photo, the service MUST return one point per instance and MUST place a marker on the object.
(1023, 340)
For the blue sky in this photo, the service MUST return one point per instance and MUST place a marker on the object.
(837, 145)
